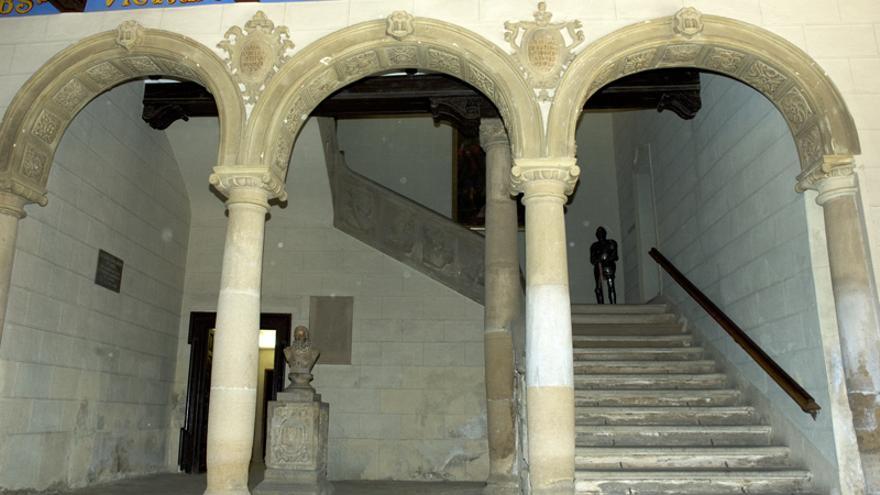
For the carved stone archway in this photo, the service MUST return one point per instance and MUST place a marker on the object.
(47, 103)
(400, 42)
(788, 77)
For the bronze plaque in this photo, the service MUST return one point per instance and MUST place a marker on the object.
(109, 271)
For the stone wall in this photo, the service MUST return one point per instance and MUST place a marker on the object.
(729, 218)
(411, 405)
(86, 373)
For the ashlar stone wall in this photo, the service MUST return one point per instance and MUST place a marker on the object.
(85, 373)
(729, 218)
(411, 406)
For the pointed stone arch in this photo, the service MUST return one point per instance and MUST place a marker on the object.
(47, 103)
(400, 42)
(808, 100)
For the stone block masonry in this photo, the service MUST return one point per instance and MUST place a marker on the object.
(87, 373)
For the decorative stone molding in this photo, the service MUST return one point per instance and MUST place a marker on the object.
(228, 179)
(688, 22)
(400, 25)
(493, 133)
(12, 204)
(542, 50)
(256, 53)
(544, 170)
(129, 34)
(833, 178)
(812, 107)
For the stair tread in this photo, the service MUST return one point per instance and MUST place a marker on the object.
(671, 428)
(692, 474)
(662, 409)
(664, 367)
(617, 308)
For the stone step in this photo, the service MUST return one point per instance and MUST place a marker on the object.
(638, 341)
(637, 353)
(672, 436)
(618, 329)
(659, 367)
(656, 398)
(668, 458)
(674, 416)
(630, 318)
(692, 482)
(655, 382)
(618, 308)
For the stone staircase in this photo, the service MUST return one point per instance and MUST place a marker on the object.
(654, 415)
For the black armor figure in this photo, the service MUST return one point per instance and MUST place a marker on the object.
(603, 256)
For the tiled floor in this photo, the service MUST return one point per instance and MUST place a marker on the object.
(181, 484)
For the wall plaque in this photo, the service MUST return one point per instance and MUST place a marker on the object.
(109, 271)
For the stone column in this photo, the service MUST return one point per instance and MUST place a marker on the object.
(11, 210)
(549, 372)
(855, 301)
(503, 302)
(232, 408)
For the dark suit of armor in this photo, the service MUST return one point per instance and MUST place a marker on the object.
(603, 256)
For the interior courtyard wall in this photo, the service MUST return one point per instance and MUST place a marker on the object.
(87, 373)
(729, 218)
(412, 156)
(411, 405)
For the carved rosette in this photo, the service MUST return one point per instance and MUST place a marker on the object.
(834, 177)
(550, 172)
(541, 48)
(228, 179)
(256, 53)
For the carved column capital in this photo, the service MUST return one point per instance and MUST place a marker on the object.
(544, 177)
(255, 185)
(493, 133)
(833, 178)
(12, 204)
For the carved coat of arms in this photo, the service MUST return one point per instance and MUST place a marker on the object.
(541, 48)
(256, 53)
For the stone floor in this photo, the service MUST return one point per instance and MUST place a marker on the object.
(181, 484)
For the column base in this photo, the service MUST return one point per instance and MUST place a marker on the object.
(563, 488)
(235, 491)
(277, 487)
(502, 488)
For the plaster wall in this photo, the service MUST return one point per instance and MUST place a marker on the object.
(411, 406)
(410, 155)
(729, 218)
(85, 373)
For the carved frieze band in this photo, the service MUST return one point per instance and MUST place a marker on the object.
(493, 133)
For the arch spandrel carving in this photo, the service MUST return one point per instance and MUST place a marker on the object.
(788, 77)
(399, 42)
(47, 103)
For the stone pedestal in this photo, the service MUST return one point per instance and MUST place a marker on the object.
(296, 446)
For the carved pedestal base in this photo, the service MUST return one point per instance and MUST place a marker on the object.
(296, 453)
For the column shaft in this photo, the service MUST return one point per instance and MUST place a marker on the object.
(11, 210)
(235, 360)
(503, 303)
(549, 371)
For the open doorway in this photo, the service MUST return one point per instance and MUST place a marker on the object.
(275, 330)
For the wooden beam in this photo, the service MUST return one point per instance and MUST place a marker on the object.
(69, 5)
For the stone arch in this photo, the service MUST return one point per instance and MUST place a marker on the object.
(373, 47)
(46, 104)
(808, 100)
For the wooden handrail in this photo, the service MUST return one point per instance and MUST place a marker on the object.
(783, 379)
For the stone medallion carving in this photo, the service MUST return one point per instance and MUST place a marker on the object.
(400, 25)
(724, 60)
(293, 445)
(403, 55)
(256, 53)
(129, 34)
(764, 78)
(688, 22)
(541, 48)
(71, 95)
(46, 127)
(105, 74)
(33, 163)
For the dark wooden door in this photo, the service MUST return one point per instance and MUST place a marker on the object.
(192, 453)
